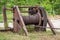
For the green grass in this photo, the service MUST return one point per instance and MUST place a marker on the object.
(1, 18)
(32, 36)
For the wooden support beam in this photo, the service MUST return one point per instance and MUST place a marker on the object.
(26, 6)
(5, 17)
(19, 20)
(9, 9)
(15, 24)
(51, 25)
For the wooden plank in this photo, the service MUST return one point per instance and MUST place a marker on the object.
(40, 18)
(9, 9)
(51, 25)
(26, 6)
(15, 24)
(19, 18)
(5, 17)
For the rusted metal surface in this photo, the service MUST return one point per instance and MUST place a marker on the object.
(5, 17)
(44, 21)
(38, 27)
(31, 19)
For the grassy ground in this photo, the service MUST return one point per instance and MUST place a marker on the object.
(32, 36)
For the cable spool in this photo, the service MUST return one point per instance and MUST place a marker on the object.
(43, 15)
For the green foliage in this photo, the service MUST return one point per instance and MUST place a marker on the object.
(51, 6)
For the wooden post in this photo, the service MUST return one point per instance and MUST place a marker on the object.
(15, 24)
(5, 17)
(51, 25)
(19, 20)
